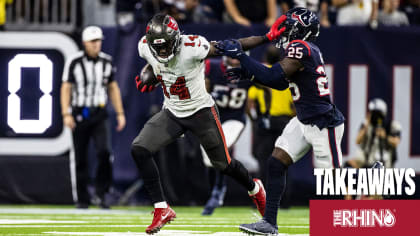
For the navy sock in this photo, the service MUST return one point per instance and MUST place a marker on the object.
(276, 184)
(219, 179)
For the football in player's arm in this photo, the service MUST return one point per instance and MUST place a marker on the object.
(178, 64)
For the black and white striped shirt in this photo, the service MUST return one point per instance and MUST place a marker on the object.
(90, 79)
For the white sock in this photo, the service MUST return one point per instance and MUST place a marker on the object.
(161, 205)
(255, 190)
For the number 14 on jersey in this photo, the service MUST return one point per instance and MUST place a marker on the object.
(178, 88)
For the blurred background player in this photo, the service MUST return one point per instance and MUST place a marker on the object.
(87, 79)
(178, 64)
(230, 98)
(378, 137)
(319, 124)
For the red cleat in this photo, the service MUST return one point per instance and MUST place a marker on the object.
(259, 198)
(161, 216)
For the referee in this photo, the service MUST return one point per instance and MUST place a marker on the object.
(88, 78)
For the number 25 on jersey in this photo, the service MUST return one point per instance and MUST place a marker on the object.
(321, 84)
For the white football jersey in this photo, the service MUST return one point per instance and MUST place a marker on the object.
(182, 78)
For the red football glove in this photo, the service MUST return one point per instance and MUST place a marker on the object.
(275, 32)
(143, 87)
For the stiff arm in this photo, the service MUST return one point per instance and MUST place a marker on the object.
(247, 44)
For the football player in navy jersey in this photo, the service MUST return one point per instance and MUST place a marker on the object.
(230, 97)
(319, 124)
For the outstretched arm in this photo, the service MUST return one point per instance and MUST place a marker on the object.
(275, 76)
(247, 43)
(213, 52)
(252, 41)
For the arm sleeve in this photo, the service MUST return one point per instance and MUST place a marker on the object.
(201, 48)
(141, 46)
(68, 71)
(112, 73)
(273, 77)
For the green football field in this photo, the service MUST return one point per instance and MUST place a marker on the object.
(125, 221)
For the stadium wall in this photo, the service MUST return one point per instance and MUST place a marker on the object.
(361, 64)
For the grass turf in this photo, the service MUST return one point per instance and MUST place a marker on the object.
(125, 221)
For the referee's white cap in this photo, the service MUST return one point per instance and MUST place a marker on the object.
(91, 33)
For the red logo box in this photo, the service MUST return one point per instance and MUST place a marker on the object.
(364, 217)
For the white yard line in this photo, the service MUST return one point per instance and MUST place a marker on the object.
(31, 221)
(136, 226)
(161, 233)
(69, 211)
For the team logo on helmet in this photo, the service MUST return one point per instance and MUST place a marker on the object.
(302, 16)
(172, 23)
(301, 24)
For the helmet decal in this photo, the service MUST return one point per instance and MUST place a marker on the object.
(299, 18)
(172, 23)
(301, 24)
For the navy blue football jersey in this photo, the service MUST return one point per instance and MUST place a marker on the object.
(309, 87)
(230, 96)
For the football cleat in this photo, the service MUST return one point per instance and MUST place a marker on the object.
(377, 165)
(161, 216)
(261, 227)
(216, 200)
(259, 198)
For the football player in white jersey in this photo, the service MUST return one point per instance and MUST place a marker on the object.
(178, 64)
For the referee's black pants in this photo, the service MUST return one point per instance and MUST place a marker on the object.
(98, 129)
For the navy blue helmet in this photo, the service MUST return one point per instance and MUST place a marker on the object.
(300, 24)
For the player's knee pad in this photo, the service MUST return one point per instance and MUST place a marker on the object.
(140, 153)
